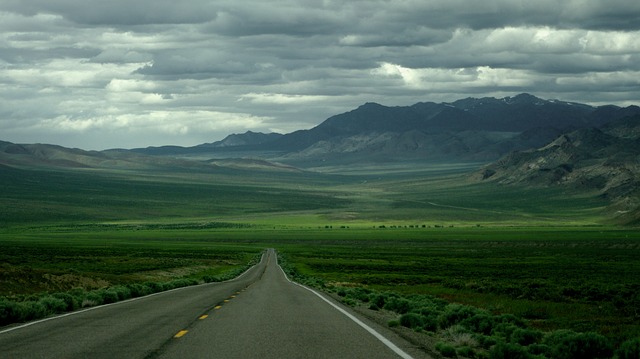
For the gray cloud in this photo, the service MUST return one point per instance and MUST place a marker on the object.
(117, 12)
(123, 74)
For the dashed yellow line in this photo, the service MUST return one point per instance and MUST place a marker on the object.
(204, 316)
(181, 333)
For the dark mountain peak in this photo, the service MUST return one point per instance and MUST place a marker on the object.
(370, 106)
(470, 103)
(426, 106)
(524, 98)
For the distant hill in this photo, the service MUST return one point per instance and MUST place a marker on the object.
(235, 142)
(602, 160)
(248, 138)
(53, 156)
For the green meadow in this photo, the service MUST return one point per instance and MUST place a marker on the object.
(551, 257)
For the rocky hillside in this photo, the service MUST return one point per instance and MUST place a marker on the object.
(602, 160)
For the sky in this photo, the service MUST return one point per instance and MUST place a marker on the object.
(136, 73)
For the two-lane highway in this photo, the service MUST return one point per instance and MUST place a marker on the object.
(258, 315)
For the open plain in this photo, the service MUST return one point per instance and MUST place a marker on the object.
(553, 258)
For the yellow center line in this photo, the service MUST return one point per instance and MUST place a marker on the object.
(217, 307)
(181, 333)
(226, 300)
(205, 316)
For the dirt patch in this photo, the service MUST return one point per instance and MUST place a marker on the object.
(19, 281)
(168, 274)
(66, 281)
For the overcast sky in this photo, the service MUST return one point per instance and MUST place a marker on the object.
(132, 73)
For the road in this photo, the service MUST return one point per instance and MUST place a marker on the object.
(261, 314)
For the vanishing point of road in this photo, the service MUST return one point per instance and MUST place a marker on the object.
(260, 314)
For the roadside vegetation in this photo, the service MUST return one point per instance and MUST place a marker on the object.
(45, 277)
(491, 293)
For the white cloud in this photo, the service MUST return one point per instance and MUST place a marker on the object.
(443, 79)
(281, 99)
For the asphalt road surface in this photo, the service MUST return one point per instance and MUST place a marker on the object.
(261, 314)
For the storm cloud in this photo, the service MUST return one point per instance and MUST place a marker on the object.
(96, 74)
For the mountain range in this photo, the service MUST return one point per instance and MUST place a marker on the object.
(472, 129)
(520, 140)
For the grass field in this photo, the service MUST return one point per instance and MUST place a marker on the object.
(546, 255)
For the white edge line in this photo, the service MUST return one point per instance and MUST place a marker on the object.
(373, 332)
(122, 302)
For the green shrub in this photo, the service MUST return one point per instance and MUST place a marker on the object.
(9, 312)
(446, 350)
(508, 351)
(430, 323)
(398, 305)
(466, 352)
(486, 341)
(455, 313)
(209, 279)
(72, 302)
(411, 320)
(482, 323)
(629, 349)
(361, 294)
(525, 337)
(122, 292)
(539, 349)
(139, 290)
(108, 296)
(53, 305)
(505, 325)
(567, 344)
(348, 301)
(31, 310)
(504, 330)
(155, 287)
(394, 323)
(377, 300)
(512, 319)
(92, 298)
